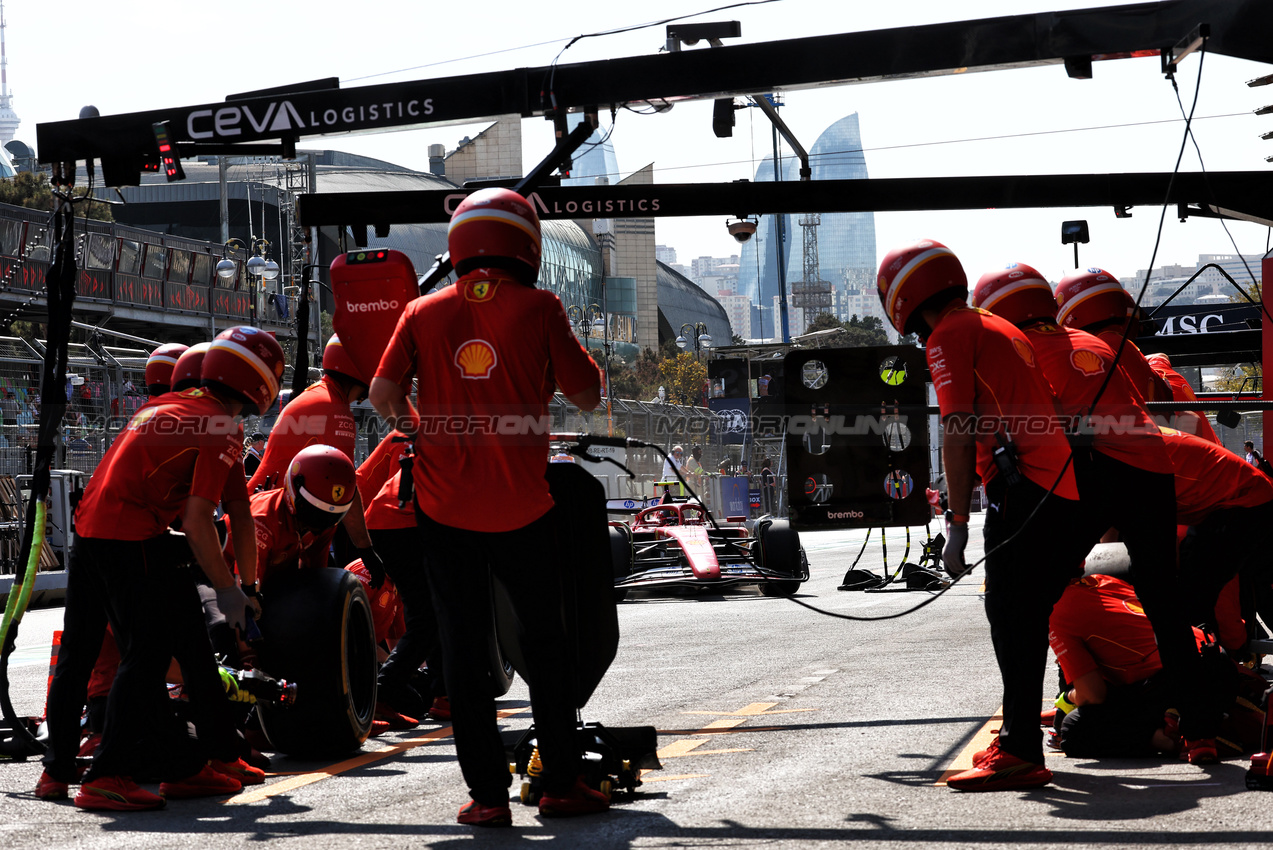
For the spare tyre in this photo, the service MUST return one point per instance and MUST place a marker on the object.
(317, 633)
(780, 552)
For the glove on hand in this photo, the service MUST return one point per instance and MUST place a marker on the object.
(952, 556)
(232, 691)
(375, 566)
(232, 603)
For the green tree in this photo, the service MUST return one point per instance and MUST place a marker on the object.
(684, 378)
(823, 322)
(33, 191)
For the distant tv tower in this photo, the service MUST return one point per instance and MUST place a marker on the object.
(9, 120)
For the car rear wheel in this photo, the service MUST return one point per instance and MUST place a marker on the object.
(317, 633)
(621, 558)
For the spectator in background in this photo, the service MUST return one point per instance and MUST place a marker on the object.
(768, 487)
(9, 408)
(1252, 456)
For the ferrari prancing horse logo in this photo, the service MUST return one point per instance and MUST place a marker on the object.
(338, 490)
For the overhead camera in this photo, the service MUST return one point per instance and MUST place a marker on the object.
(742, 229)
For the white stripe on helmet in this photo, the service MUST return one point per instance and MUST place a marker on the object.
(895, 286)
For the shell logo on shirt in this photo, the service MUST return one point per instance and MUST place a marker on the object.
(142, 417)
(1024, 351)
(1087, 362)
(475, 359)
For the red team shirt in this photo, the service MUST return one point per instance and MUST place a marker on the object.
(180, 445)
(1181, 391)
(382, 512)
(1075, 363)
(1145, 380)
(280, 543)
(488, 353)
(381, 465)
(1210, 477)
(388, 616)
(1099, 624)
(983, 365)
(319, 415)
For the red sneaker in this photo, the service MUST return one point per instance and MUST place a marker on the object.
(475, 814)
(240, 770)
(89, 746)
(116, 794)
(441, 709)
(1199, 751)
(397, 720)
(49, 788)
(1047, 717)
(378, 728)
(1000, 771)
(981, 755)
(579, 800)
(206, 783)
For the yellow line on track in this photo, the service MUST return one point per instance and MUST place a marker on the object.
(261, 792)
(979, 741)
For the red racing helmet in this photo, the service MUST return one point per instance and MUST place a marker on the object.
(187, 371)
(337, 359)
(249, 363)
(495, 228)
(1092, 297)
(159, 367)
(1017, 293)
(911, 275)
(321, 485)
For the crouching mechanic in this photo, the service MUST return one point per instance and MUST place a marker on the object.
(492, 349)
(293, 525)
(320, 415)
(177, 456)
(1000, 422)
(1117, 697)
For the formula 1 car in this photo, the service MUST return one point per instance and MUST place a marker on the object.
(679, 545)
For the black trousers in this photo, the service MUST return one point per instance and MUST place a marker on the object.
(1026, 572)
(1230, 541)
(1142, 506)
(1122, 726)
(461, 565)
(403, 558)
(154, 610)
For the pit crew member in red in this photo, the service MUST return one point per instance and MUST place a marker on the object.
(159, 367)
(1117, 695)
(1189, 421)
(1228, 506)
(320, 415)
(999, 420)
(1094, 301)
(489, 353)
(293, 525)
(1117, 451)
(177, 456)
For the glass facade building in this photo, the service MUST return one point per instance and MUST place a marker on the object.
(846, 241)
(570, 264)
(594, 159)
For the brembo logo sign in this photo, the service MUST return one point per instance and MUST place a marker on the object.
(283, 117)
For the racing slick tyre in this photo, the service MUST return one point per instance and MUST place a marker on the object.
(587, 580)
(621, 558)
(317, 633)
(780, 551)
(500, 664)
